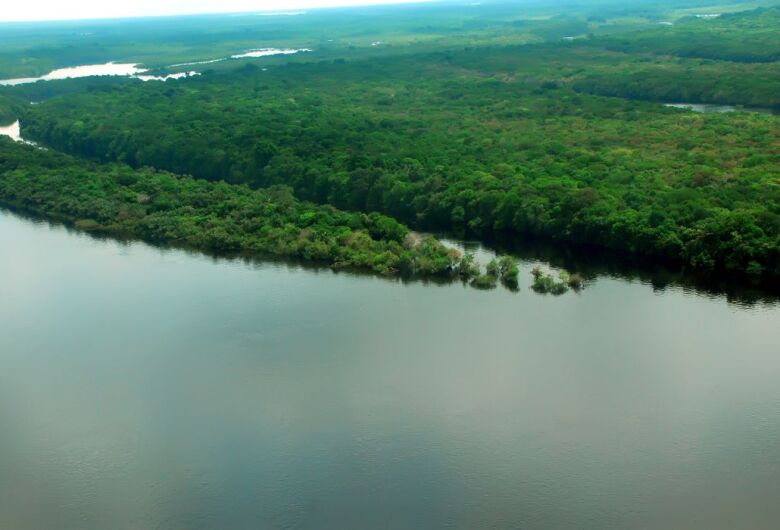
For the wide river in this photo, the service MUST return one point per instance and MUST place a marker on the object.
(145, 388)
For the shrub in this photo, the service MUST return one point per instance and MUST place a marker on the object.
(546, 284)
(484, 281)
(468, 267)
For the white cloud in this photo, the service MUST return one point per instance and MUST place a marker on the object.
(19, 10)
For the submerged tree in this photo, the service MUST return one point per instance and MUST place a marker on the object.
(546, 284)
(509, 271)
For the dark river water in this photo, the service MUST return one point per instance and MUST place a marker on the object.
(143, 388)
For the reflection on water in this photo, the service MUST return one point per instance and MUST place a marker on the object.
(150, 388)
(132, 69)
(260, 52)
(179, 75)
(267, 52)
(708, 108)
(594, 263)
(12, 131)
(108, 69)
(99, 70)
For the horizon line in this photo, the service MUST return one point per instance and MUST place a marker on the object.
(292, 11)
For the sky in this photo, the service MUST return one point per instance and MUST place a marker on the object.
(23, 10)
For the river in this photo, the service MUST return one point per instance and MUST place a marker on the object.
(153, 388)
(708, 108)
(133, 70)
(73, 72)
(12, 131)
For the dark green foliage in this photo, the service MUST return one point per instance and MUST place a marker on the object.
(10, 109)
(750, 36)
(683, 80)
(162, 207)
(480, 139)
(381, 136)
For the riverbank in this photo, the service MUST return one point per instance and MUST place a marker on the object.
(161, 207)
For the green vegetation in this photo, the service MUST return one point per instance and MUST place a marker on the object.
(28, 50)
(490, 279)
(525, 157)
(503, 268)
(747, 36)
(493, 122)
(468, 268)
(10, 110)
(164, 208)
(485, 281)
(509, 271)
(161, 207)
(684, 80)
(546, 283)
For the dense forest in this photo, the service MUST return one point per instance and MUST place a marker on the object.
(456, 151)
(164, 208)
(678, 80)
(544, 139)
(746, 36)
(10, 109)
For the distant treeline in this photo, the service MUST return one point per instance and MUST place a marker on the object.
(748, 36)
(755, 85)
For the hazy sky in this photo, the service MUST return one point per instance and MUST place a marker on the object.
(16, 10)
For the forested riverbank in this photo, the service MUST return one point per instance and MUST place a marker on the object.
(161, 207)
(699, 190)
(544, 140)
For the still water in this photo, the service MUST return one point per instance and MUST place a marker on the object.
(12, 131)
(255, 53)
(150, 388)
(719, 109)
(132, 69)
(108, 69)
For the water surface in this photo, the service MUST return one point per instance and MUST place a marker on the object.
(178, 75)
(259, 52)
(708, 108)
(150, 388)
(267, 52)
(108, 69)
(12, 131)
